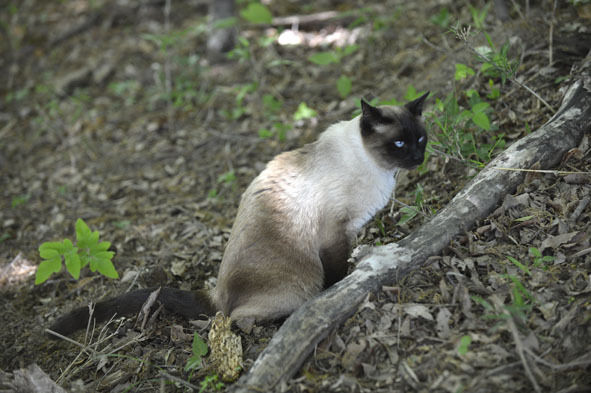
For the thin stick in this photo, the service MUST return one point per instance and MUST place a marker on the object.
(68, 339)
(167, 74)
(180, 381)
(540, 171)
(521, 352)
(551, 34)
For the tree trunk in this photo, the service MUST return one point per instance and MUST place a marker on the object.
(312, 322)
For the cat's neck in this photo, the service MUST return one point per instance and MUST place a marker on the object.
(345, 138)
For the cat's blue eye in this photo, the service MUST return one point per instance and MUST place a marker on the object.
(421, 139)
(398, 143)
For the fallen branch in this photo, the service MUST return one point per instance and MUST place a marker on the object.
(317, 18)
(312, 322)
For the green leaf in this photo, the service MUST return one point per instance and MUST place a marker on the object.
(412, 93)
(408, 214)
(520, 265)
(199, 346)
(20, 200)
(463, 71)
(47, 268)
(324, 58)
(257, 13)
(271, 103)
(199, 350)
(344, 86)
(265, 133)
(123, 224)
(349, 49)
(49, 250)
(480, 107)
(535, 252)
(73, 264)
(102, 246)
(227, 178)
(82, 230)
(486, 305)
(441, 19)
(193, 362)
(106, 268)
(304, 112)
(281, 130)
(464, 344)
(524, 218)
(481, 120)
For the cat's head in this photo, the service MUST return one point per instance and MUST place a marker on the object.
(394, 135)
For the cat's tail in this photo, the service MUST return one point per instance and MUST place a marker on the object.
(189, 304)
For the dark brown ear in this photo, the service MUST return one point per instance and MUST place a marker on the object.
(368, 111)
(416, 106)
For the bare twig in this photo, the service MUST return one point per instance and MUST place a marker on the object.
(521, 351)
(553, 172)
(181, 381)
(581, 361)
(320, 17)
(551, 33)
(167, 74)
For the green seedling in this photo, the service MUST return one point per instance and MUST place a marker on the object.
(464, 344)
(211, 382)
(199, 349)
(87, 251)
(304, 112)
(539, 259)
(20, 200)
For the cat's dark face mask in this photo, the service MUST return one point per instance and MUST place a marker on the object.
(395, 136)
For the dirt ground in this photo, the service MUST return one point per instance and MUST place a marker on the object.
(113, 115)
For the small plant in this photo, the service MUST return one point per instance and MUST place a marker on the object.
(211, 382)
(304, 112)
(520, 265)
(88, 251)
(521, 304)
(441, 19)
(478, 16)
(256, 13)
(522, 299)
(495, 62)
(199, 349)
(344, 86)
(332, 56)
(464, 344)
(539, 259)
(239, 108)
(458, 131)
(227, 180)
(241, 50)
(20, 200)
(410, 212)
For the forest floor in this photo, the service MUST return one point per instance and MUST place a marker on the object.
(112, 115)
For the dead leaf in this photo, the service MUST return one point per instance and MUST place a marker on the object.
(557, 241)
(418, 310)
(443, 322)
(350, 358)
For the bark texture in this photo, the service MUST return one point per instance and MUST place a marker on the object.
(312, 322)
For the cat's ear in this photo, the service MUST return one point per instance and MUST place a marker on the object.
(416, 106)
(368, 111)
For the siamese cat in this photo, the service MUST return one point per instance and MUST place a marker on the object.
(296, 221)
